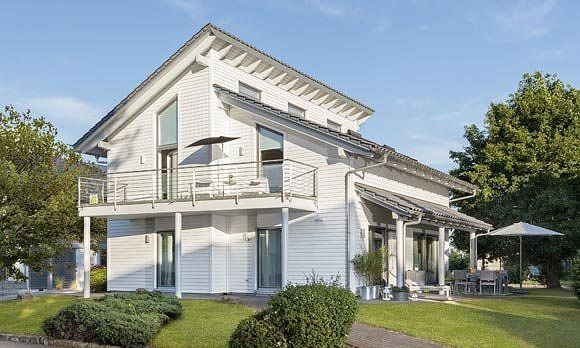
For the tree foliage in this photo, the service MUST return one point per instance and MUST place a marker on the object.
(38, 212)
(526, 162)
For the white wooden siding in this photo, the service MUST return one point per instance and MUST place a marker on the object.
(131, 259)
(229, 77)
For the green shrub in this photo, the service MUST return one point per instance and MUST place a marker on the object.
(99, 278)
(575, 274)
(313, 315)
(145, 302)
(369, 267)
(255, 333)
(458, 260)
(126, 320)
(98, 323)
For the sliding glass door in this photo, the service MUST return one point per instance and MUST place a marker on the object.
(425, 256)
(165, 259)
(269, 258)
(271, 155)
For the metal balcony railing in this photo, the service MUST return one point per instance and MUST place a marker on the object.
(284, 178)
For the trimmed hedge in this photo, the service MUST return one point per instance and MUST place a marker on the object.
(317, 314)
(128, 320)
(99, 278)
(254, 333)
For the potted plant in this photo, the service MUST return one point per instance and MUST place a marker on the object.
(58, 283)
(369, 269)
(400, 294)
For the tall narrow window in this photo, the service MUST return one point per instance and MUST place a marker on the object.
(249, 91)
(167, 123)
(333, 125)
(271, 155)
(296, 111)
(167, 152)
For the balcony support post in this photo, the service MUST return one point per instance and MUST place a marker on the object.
(284, 247)
(177, 248)
(87, 257)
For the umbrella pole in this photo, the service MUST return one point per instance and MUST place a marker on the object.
(521, 263)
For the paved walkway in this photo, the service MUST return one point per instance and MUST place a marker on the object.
(364, 336)
(4, 344)
(361, 335)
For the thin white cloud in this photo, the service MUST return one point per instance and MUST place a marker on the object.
(330, 8)
(194, 9)
(62, 108)
(351, 10)
(527, 19)
(548, 54)
(71, 115)
(413, 102)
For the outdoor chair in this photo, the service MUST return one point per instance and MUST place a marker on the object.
(460, 279)
(487, 278)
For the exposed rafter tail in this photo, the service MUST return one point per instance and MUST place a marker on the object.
(222, 53)
(265, 73)
(250, 68)
(298, 91)
(277, 79)
(238, 59)
(289, 84)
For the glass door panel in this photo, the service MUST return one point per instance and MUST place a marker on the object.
(165, 260)
(271, 155)
(269, 258)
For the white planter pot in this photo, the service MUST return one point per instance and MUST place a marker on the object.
(369, 292)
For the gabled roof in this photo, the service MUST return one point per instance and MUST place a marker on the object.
(406, 163)
(431, 212)
(211, 29)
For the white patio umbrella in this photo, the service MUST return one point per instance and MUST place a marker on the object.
(522, 229)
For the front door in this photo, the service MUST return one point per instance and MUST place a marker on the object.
(269, 258)
(165, 259)
(378, 240)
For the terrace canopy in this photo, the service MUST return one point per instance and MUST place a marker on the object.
(522, 229)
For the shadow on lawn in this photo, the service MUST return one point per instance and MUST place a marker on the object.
(550, 321)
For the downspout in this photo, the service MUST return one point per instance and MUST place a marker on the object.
(347, 199)
(405, 225)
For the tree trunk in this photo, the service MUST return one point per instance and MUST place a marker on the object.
(553, 273)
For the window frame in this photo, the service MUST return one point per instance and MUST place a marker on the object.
(247, 86)
(338, 125)
(303, 115)
(158, 123)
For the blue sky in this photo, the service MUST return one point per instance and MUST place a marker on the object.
(427, 67)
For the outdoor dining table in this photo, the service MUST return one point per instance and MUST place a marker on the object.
(501, 281)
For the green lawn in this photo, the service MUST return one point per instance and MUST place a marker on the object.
(543, 318)
(26, 317)
(203, 324)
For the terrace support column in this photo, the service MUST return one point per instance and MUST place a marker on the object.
(284, 246)
(400, 243)
(87, 257)
(177, 248)
(441, 257)
(472, 250)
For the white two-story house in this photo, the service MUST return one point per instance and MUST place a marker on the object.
(229, 171)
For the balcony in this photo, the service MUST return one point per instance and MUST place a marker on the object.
(200, 188)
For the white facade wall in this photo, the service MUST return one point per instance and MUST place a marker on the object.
(219, 251)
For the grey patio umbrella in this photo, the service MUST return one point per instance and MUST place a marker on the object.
(522, 229)
(212, 140)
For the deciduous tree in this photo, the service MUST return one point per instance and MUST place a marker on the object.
(526, 162)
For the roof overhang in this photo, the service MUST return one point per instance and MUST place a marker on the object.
(284, 119)
(431, 213)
